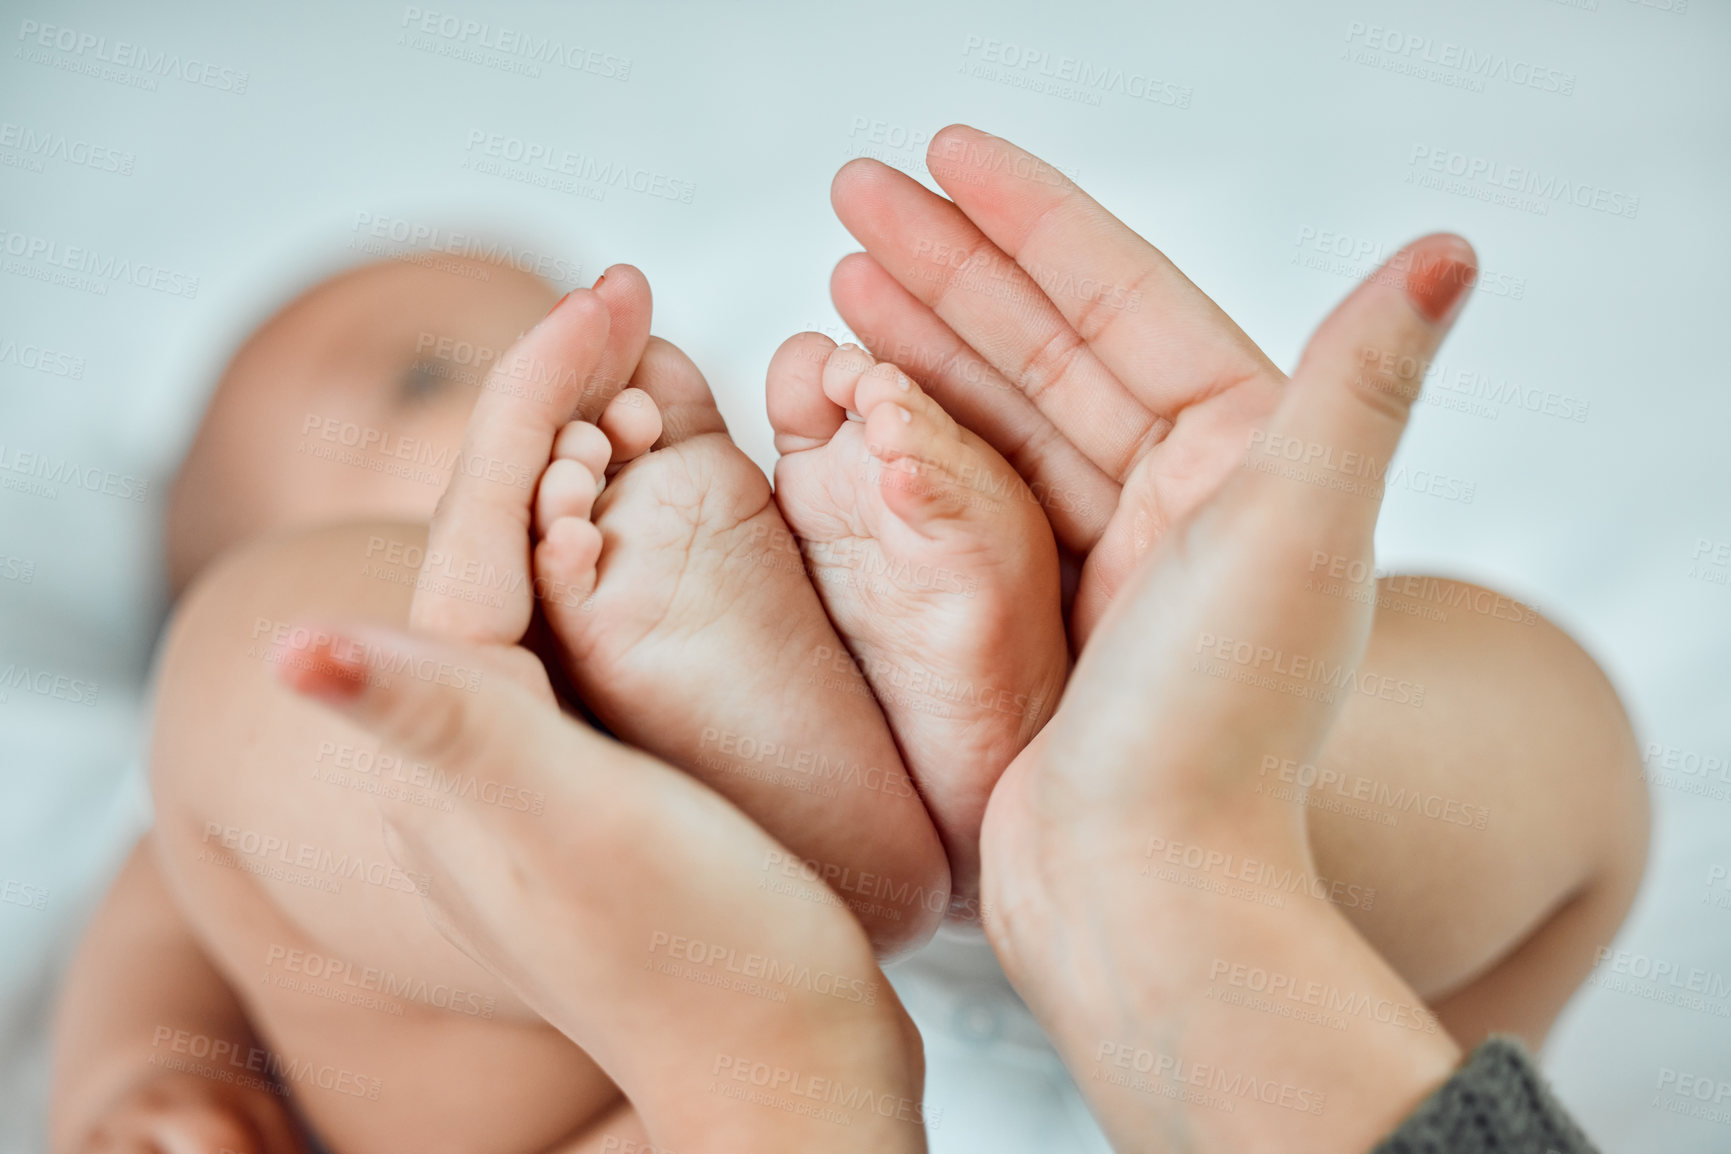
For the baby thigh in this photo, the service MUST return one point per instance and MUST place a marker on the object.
(1477, 812)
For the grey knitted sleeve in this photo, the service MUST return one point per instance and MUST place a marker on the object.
(1496, 1103)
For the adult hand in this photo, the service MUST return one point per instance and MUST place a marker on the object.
(1118, 389)
(1137, 879)
(710, 973)
(707, 969)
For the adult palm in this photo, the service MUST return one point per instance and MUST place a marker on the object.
(1118, 389)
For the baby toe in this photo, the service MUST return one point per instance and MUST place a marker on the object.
(632, 422)
(585, 443)
(842, 373)
(932, 469)
(922, 467)
(885, 383)
(567, 489)
(565, 569)
(801, 415)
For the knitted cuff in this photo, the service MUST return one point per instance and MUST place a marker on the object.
(1496, 1103)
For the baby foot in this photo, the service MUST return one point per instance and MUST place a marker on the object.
(687, 623)
(935, 563)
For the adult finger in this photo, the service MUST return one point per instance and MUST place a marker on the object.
(475, 584)
(1150, 326)
(896, 326)
(458, 705)
(1347, 405)
(948, 264)
(625, 291)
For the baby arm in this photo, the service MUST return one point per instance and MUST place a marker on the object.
(139, 992)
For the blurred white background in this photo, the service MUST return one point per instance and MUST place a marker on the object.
(1287, 148)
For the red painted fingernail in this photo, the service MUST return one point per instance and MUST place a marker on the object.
(330, 668)
(1436, 285)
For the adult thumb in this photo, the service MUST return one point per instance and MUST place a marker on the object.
(460, 707)
(1346, 407)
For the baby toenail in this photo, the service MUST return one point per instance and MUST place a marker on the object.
(903, 383)
(907, 417)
